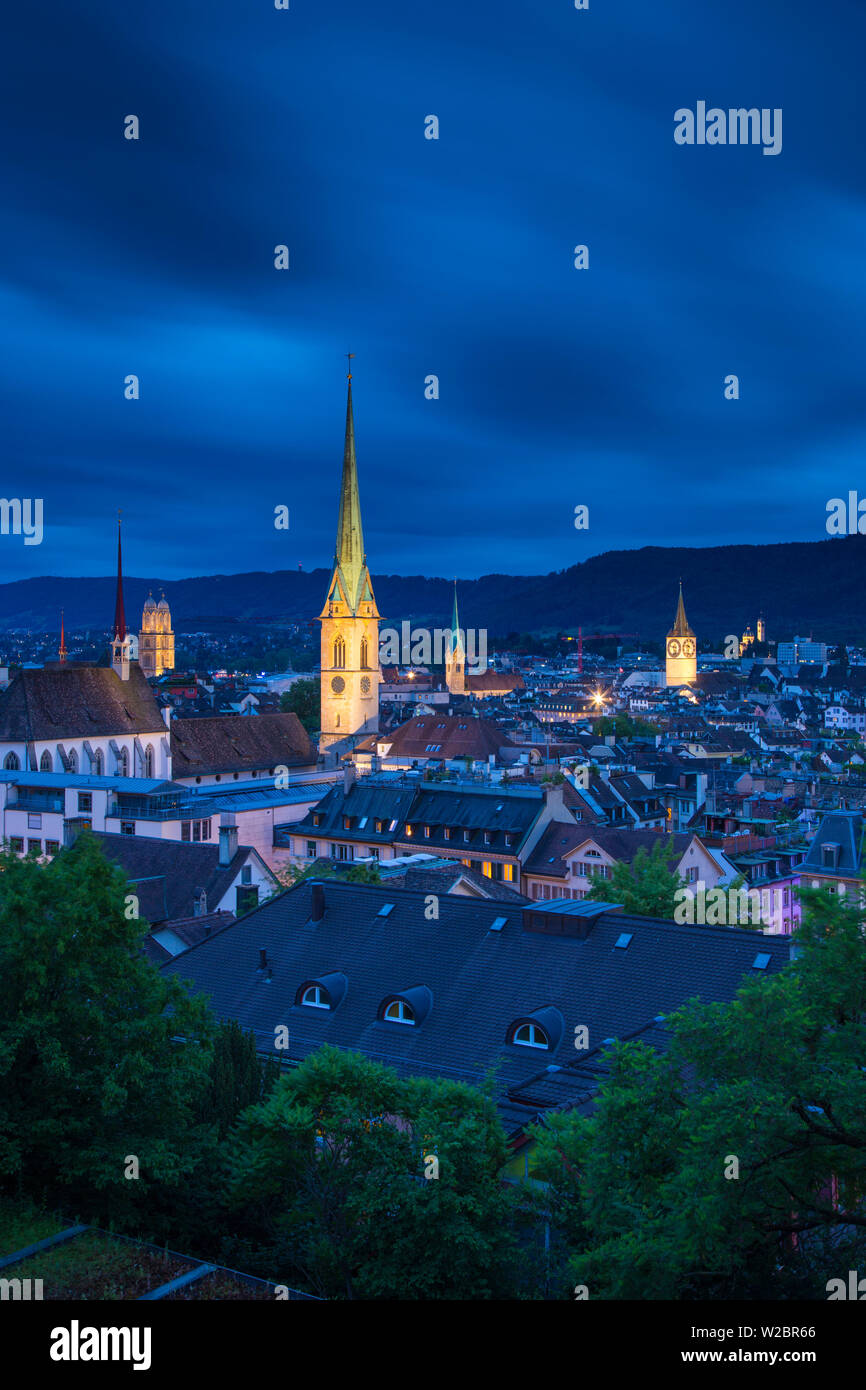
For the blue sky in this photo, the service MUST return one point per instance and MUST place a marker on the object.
(452, 257)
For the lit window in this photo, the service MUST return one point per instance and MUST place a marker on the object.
(530, 1035)
(314, 997)
(399, 1012)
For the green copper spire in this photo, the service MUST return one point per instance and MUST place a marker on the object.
(455, 642)
(349, 556)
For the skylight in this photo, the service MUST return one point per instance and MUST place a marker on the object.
(387, 908)
(623, 940)
(761, 961)
(498, 923)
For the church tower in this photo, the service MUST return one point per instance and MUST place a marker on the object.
(156, 639)
(121, 645)
(350, 622)
(455, 655)
(681, 662)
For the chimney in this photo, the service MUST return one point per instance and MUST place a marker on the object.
(317, 903)
(228, 839)
(263, 958)
(349, 777)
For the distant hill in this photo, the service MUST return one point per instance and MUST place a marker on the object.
(800, 587)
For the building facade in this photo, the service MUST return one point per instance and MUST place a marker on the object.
(156, 639)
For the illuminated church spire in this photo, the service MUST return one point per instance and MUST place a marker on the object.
(681, 662)
(455, 656)
(61, 655)
(350, 620)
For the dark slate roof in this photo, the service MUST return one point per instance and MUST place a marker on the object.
(453, 736)
(442, 880)
(64, 701)
(622, 845)
(481, 979)
(843, 828)
(167, 874)
(239, 743)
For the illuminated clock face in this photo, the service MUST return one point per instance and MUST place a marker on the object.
(673, 647)
(688, 647)
(338, 685)
(365, 685)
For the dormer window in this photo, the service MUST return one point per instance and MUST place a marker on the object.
(829, 856)
(317, 818)
(380, 826)
(399, 1012)
(347, 822)
(408, 830)
(426, 832)
(314, 997)
(446, 832)
(530, 1035)
(487, 837)
(466, 834)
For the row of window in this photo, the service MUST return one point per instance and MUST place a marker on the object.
(379, 828)
(339, 662)
(17, 846)
(12, 763)
(401, 1011)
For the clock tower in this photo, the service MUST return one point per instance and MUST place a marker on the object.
(681, 659)
(350, 623)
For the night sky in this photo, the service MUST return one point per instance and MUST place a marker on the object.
(454, 257)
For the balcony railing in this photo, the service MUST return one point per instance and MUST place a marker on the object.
(38, 801)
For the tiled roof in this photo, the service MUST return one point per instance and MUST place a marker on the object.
(167, 874)
(67, 701)
(239, 743)
(483, 973)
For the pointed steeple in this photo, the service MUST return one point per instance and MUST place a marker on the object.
(119, 614)
(61, 655)
(681, 627)
(455, 642)
(350, 583)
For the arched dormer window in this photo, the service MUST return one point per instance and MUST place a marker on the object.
(410, 1006)
(530, 1035)
(365, 665)
(12, 762)
(322, 993)
(398, 1011)
(542, 1029)
(339, 654)
(45, 762)
(148, 761)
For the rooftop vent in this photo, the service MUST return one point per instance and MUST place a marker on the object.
(317, 903)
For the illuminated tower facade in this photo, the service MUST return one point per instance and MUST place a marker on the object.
(350, 621)
(156, 639)
(681, 652)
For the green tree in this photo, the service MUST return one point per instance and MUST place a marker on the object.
(646, 886)
(91, 1069)
(328, 1178)
(238, 1076)
(303, 699)
(732, 1165)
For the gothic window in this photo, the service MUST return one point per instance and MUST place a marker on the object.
(365, 665)
(148, 761)
(45, 762)
(99, 763)
(123, 763)
(72, 761)
(339, 654)
(11, 762)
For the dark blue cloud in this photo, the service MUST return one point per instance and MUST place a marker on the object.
(451, 257)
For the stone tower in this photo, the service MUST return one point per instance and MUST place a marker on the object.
(156, 639)
(350, 623)
(681, 660)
